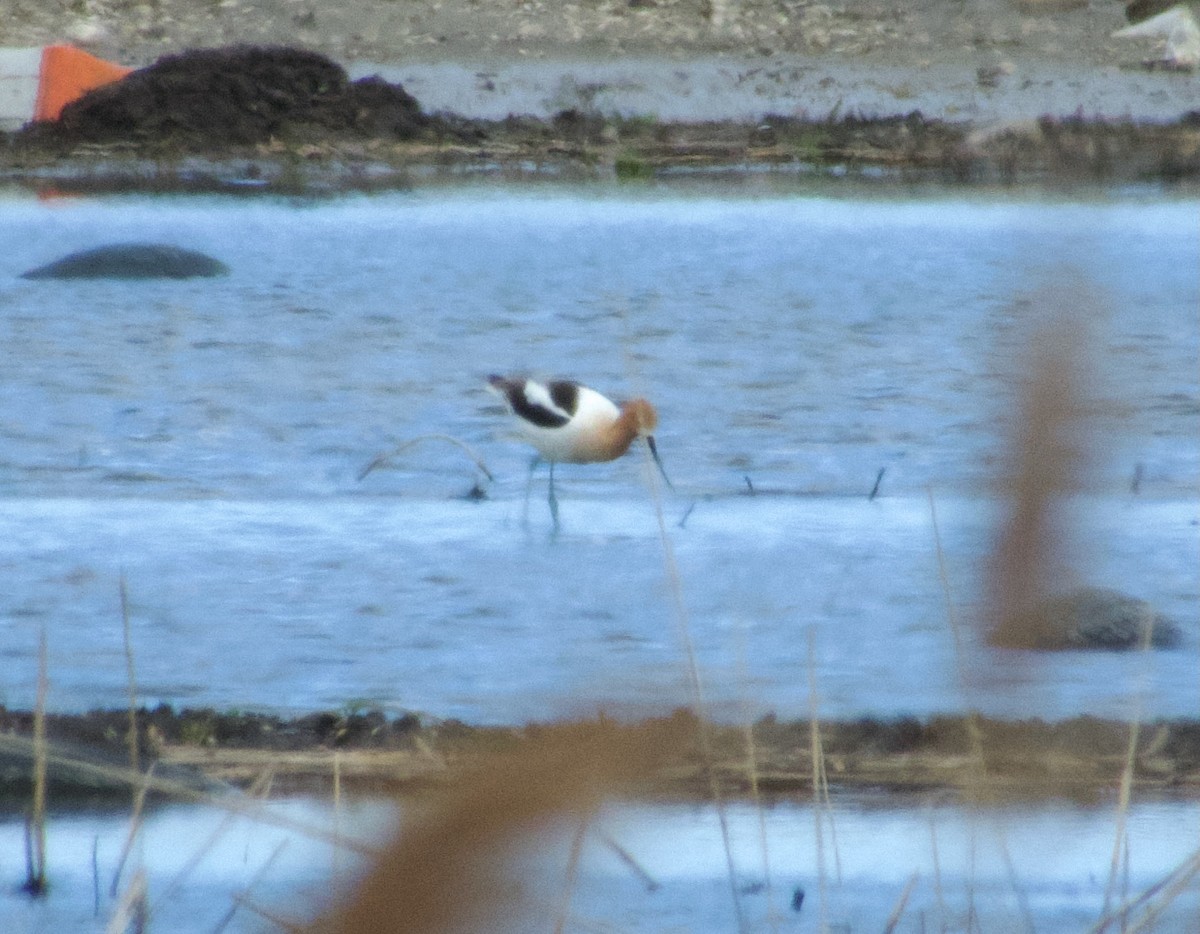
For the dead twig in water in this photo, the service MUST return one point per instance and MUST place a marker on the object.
(383, 458)
(652, 884)
(901, 902)
(878, 481)
(35, 824)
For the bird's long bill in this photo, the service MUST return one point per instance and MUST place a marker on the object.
(654, 453)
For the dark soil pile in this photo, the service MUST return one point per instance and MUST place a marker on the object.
(212, 99)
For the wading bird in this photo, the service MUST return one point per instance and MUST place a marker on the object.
(566, 421)
(1173, 23)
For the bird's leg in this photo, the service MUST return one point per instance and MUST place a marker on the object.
(537, 459)
(553, 498)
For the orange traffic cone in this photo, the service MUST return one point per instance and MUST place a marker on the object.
(68, 73)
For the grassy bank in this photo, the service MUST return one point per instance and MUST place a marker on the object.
(586, 147)
(367, 750)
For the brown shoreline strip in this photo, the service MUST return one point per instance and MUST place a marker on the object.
(573, 146)
(1081, 758)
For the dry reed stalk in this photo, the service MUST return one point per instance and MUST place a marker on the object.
(96, 876)
(446, 869)
(972, 911)
(256, 793)
(573, 861)
(139, 793)
(131, 676)
(1166, 890)
(1033, 550)
(234, 804)
(35, 826)
(753, 774)
(695, 688)
(652, 884)
(976, 767)
(818, 759)
(974, 732)
(1010, 870)
(1125, 788)
(131, 910)
(135, 826)
(243, 897)
(939, 895)
(276, 920)
(901, 903)
(337, 814)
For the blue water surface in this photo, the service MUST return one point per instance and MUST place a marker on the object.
(204, 439)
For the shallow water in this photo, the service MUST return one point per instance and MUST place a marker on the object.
(204, 439)
(1045, 866)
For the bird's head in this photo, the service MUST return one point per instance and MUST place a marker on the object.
(643, 416)
(645, 420)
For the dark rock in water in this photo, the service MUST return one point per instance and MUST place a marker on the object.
(1089, 618)
(131, 261)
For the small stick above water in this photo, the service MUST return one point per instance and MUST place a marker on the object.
(383, 458)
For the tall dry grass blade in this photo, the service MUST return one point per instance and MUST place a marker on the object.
(692, 669)
(131, 676)
(573, 861)
(96, 876)
(130, 913)
(1048, 458)
(244, 894)
(234, 804)
(1014, 883)
(139, 794)
(695, 689)
(974, 732)
(1125, 788)
(817, 759)
(1154, 900)
(288, 925)
(651, 884)
(939, 895)
(760, 813)
(35, 826)
(976, 767)
(337, 814)
(901, 904)
(131, 835)
(753, 773)
(973, 920)
(822, 802)
(447, 869)
(1165, 889)
(256, 792)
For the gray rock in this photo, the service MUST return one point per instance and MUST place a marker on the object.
(131, 261)
(1089, 618)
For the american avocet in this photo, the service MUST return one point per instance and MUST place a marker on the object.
(566, 421)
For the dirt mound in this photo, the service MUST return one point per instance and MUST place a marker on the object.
(242, 95)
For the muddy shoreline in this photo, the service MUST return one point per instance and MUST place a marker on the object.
(287, 118)
(574, 146)
(369, 751)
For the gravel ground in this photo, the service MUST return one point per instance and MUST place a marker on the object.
(974, 60)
